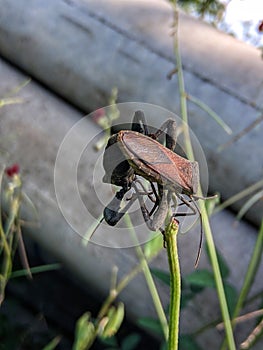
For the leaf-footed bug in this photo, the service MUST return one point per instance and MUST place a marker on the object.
(136, 152)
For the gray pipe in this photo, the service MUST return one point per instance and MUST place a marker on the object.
(82, 49)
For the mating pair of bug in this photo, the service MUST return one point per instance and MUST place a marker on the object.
(130, 154)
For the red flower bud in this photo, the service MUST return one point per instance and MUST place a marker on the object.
(260, 27)
(99, 113)
(12, 170)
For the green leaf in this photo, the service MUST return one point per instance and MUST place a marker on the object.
(224, 269)
(187, 286)
(131, 342)
(186, 297)
(84, 333)
(164, 346)
(162, 275)
(231, 297)
(150, 324)
(112, 342)
(189, 291)
(153, 247)
(187, 342)
(54, 342)
(35, 269)
(116, 316)
(201, 278)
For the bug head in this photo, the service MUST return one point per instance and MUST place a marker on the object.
(117, 169)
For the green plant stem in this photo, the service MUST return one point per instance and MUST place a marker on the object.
(113, 294)
(119, 287)
(183, 103)
(154, 293)
(249, 203)
(209, 111)
(149, 280)
(34, 270)
(175, 283)
(10, 101)
(239, 196)
(250, 275)
(5, 268)
(142, 266)
(218, 279)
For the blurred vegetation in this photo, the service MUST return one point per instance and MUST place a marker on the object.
(212, 10)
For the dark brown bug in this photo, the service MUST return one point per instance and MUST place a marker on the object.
(158, 163)
(133, 153)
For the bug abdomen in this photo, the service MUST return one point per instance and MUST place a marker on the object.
(156, 162)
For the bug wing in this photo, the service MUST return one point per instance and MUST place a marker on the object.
(161, 162)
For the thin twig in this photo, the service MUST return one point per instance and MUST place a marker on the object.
(220, 326)
(22, 253)
(252, 337)
(241, 133)
(239, 196)
(210, 112)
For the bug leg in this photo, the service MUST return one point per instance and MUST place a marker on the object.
(195, 197)
(113, 211)
(139, 123)
(146, 192)
(193, 206)
(159, 216)
(157, 197)
(190, 204)
(152, 195)
(170, 136)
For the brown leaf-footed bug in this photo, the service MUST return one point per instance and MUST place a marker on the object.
(133, 153)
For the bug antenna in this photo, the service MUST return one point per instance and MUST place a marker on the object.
(201, 236)
(204, 198)
(96, 227)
